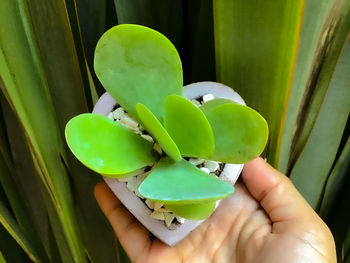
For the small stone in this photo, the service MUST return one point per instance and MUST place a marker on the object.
(140, 178)
(138, 193)
(110, 116)
(157, 205)
(196, 102)
(118, 113)
(157, 147)
(205, 169)
(147, 137)
(195, 161)
(164, 210)
(157, 215)
(149, 203)
(211, 165)
(132, 184)
(129, 122)
(169, 217)
(180, 219)
(127, 179)
(208, 97)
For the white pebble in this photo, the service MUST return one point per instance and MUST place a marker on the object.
(205, 169)
(150, 203)
(157, 215)
(195, 161)
(118, 113)
(129, 122)
(132, 184)
(138, 193)
(110, 116)
(157, 205)
(140, 178)
(147, 137)
(127, 179)
(180, 219)
(196, 102)
(169, 217)
(164, 210)
(208, 97)
(211, 165)
(157, 147)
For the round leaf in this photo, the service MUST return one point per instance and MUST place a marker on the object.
(106, 146)
(156, 129)
(240, 132)
(193, 211)
(138, 64)
(182, 183)
(188, 127)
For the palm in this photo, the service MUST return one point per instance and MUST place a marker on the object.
(239, 231)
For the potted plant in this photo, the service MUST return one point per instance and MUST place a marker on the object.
(169, 154)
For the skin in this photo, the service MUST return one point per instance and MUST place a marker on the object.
(265, 220)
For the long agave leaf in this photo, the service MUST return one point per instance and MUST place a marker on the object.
(2, 259)
(308, 175)
(10, 249)
(198, 48)
(315, 13)
(346, 247)
(74, 28)
(10, 224)
(26, 179)
(335, 182)
(31, 244)
(25, 87)
(164, 16)
(69, 90)
(255, 45)
(332, 42)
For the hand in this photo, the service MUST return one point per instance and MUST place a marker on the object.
(265, 220)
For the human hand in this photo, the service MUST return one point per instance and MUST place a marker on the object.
(265, 220)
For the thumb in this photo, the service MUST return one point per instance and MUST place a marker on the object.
(275, 192)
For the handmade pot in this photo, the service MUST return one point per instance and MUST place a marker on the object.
(132, 202)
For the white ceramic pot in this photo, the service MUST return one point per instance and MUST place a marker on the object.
(132, 202)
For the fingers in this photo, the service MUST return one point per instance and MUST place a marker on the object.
(275, 192)
(134, 238)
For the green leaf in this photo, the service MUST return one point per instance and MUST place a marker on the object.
(136, 64)
(188, 127)
(193, 211)
(314, 34)
(240, 132)
(12, 227)
(182, 183)
(255, 47)
(2, 259)
(212, 104)
(335, 183)
(326, 133)
(23, 64)
(156, 129)
(107, 147)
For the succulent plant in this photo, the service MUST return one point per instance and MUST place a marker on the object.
(142, 71)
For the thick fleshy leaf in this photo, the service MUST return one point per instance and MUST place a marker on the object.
(240, 132)
(188, 127)
(182, 183)
(212, 104)
(156, 129)
(106, 146)
(193, 211)
(138, 64)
